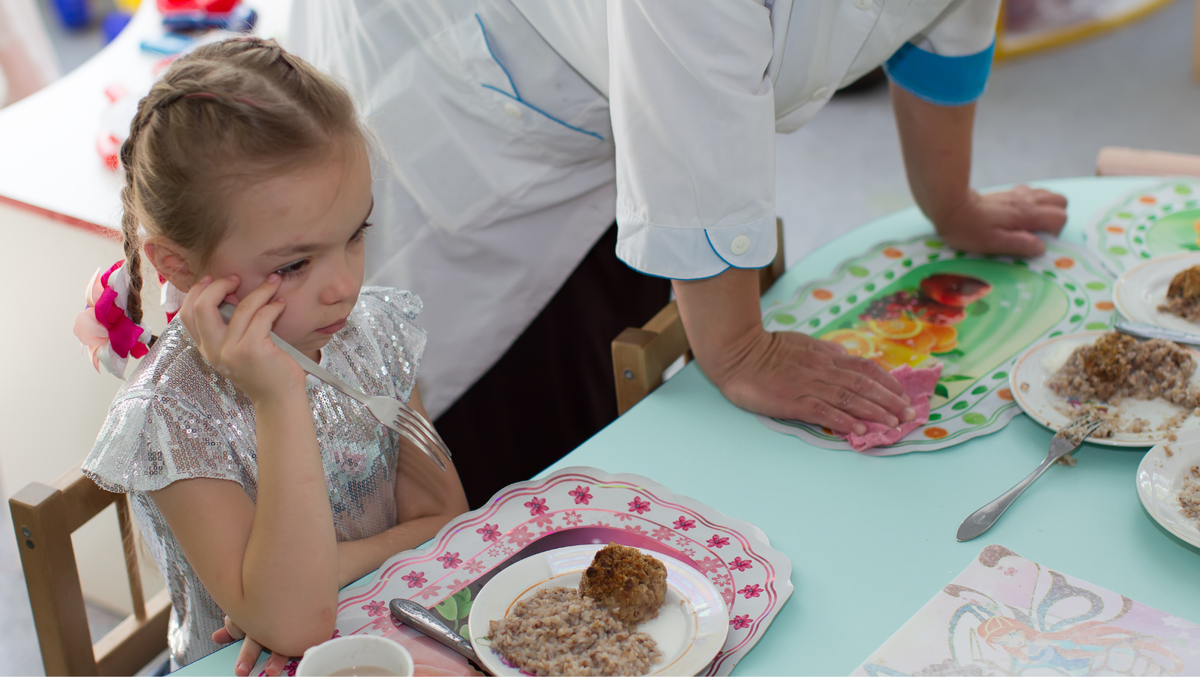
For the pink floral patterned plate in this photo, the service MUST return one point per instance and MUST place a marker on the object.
(690, 628)
(580, 506)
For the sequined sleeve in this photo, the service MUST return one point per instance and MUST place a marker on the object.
(392, 315)
(150, 440)
(175, 418)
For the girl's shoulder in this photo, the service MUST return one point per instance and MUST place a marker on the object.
(175, 417)
(388, 317)
(396, 304)
(173, 367)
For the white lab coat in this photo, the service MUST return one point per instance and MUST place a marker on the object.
(496, 122)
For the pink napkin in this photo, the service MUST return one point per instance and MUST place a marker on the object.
(919, 384)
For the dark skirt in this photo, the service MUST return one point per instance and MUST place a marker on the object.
(553, 388)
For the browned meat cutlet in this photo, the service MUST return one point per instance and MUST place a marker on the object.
(1105, 361)
(624, 580)
(1183, 295)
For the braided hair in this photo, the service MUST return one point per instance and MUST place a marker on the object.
(222, 116)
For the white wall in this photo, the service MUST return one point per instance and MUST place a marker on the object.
(53, 403)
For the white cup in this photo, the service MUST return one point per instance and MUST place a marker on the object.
(339, 656)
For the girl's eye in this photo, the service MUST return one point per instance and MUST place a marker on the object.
(361, 233)
(292, 269)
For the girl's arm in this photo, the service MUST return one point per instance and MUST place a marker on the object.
(426, 499)
(271, 564)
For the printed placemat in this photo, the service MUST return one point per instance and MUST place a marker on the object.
(918, 303)
(1163, 219)
(1006, 615)
(571, 507)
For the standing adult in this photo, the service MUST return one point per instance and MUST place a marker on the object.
(518, 131)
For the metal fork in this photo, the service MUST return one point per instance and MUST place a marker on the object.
(982, 519)
(392, 413)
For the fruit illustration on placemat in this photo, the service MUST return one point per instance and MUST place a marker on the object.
(908, 326)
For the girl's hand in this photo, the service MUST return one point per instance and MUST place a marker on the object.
(242, 351)
(250, 651)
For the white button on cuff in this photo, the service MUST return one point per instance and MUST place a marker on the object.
(740, 245)
(513, 111)
(864, 4)
(822, 94)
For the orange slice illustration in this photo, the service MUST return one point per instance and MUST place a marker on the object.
(947, 337)
(923, 342)
(857, 343)
(900, 328)
(894, 354)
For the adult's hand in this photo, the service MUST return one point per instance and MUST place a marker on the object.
(936, 141)
(783, 374)
(1005, 222)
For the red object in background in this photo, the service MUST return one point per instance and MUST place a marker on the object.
(109, 148)
(213, 6)
(112, 134)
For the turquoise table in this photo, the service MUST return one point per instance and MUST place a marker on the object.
(871, 539)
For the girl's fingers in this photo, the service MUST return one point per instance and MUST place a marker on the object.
(210, 328)
(264, 319)
(275, 663)
(247, 657)
(187, 308)
(230, 633)
(249, 305)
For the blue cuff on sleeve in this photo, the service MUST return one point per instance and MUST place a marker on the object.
(942, 80)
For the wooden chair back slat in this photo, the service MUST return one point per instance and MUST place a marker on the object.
(129, 546)
(39, 515)
(44, 517)
(123, 651)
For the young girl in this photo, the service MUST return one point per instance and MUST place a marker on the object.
(259, 492)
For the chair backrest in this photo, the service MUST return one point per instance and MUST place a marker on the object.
(641, 355)
(44, 517)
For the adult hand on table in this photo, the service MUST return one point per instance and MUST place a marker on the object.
(781, 374)
(936, 141)
(1005, 222)
(250, 651)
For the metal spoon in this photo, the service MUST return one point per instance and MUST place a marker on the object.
(982, 519)
(421, 619)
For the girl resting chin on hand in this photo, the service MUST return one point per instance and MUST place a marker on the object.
(260, 493)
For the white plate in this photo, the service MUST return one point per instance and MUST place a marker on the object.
(1142, 289)
(690, 628)
(1159, 480)
(1036, 365)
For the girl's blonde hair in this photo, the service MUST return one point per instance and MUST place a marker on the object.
(225, 115)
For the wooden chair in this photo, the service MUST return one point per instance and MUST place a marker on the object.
(44, 517)
(640, 356)
(1117, 161)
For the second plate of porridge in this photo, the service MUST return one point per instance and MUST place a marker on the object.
(1168, 483)
(1147, 391)
(1162, 292)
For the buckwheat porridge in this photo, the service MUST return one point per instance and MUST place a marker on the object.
(1096, 379)
(591, 630)
(1189, 496)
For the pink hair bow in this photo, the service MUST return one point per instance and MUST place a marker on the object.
(104, 328)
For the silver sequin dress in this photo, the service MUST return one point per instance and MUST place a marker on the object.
(177, 418)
